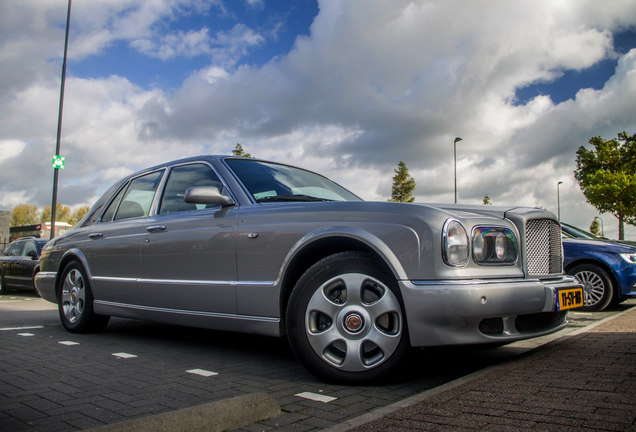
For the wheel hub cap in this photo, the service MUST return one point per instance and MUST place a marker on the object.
(354, 322)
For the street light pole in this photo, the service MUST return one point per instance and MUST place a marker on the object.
(457, 139)
(59, 124)
(559, 201)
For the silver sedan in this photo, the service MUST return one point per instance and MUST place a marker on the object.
(248, 245)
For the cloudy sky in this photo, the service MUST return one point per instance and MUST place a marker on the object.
(347, 88)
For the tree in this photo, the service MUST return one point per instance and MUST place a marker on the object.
(595, 228)
(24, 214)
(403, 185)
(78, 215)
(62, 213)
(486, 200)
(238, 151)
(607, 177)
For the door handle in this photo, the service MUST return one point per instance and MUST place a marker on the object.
(95, 236)
(156, 228)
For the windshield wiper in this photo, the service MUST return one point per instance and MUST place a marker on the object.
(290, 198)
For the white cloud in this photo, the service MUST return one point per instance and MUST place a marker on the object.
(374, 83)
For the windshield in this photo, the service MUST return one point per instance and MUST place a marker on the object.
(574, 232)
(269, 182)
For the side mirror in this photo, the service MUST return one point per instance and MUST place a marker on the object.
(33, 254)
(207, 195)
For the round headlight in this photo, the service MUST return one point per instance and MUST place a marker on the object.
(455, 243)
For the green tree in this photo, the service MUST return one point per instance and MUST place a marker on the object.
(24, 214)
(486, 200)
(62, 213)
(607, 177)
(595, 228)
(403, 185)
(78, 215)
(238, 151)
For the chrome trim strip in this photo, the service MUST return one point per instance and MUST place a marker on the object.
(471, 282)
(183, 281)
(188, 312)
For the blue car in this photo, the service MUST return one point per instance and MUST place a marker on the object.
(606, 269)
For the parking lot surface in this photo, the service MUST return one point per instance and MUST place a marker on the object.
(52, 380)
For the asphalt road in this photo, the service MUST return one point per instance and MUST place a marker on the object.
(51, 380)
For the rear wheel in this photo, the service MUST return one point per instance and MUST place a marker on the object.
(597, 286)
(75, 302)
(3, 287)
(345, 320)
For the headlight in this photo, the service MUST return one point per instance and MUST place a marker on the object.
(629, 257)
(494, 245)
(455, 243)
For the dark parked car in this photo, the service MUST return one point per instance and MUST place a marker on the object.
(248, 245)
(19, 262)
(606, 269)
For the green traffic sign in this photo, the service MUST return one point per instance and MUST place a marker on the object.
(58, 162)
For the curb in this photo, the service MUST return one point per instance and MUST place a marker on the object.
(405, 403)
(226, 414)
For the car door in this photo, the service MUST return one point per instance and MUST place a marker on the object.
(25, 263)
(112, 246)
(188, 259)
(11, 278)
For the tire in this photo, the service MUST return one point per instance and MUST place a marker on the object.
(597, 286)
(75, 302)
(345, 320)
(3, 287)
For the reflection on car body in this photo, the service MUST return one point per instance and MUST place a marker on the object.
(248, 245)
(19, 262)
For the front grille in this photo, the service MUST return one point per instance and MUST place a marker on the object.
(543, 247)
(491, 326)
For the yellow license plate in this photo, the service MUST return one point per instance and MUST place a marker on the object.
(569, 298)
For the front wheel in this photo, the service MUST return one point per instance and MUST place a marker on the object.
(75, 302)
(345, 320)
(597, 286)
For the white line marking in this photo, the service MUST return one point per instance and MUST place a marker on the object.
(124, 355)
(20, 328)
(68, 343)
(26, 334)
(202, 372)
(316, 397)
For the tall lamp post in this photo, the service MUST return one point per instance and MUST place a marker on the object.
(59, 125)
(457, 139)
(559, 201)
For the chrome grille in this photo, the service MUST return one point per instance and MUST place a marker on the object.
(543, 247)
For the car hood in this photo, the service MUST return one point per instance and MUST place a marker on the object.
(603, 245)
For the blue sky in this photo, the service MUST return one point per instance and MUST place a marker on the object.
(279, 22)
(347, 88)
(571, 81)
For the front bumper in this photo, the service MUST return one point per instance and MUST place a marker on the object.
(45, 284)
(480, 311)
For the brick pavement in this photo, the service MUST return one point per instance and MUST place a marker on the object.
(582, 382)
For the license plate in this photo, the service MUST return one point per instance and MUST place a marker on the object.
(569, 298)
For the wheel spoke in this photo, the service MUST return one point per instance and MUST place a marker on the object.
(354, 361)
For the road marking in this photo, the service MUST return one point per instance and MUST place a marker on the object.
(20, 328)
(316, 397)
(26, 334)
(68, 343)
(124, 355)
(202, 372)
